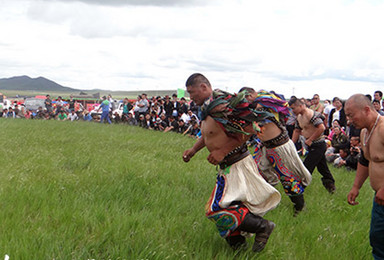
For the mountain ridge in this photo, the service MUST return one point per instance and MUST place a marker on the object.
(36, 84)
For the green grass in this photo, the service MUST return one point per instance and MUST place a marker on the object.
(78, 190)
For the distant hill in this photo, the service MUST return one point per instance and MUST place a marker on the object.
(35, 84)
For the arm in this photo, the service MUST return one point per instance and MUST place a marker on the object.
(188, 154)
(316, 134)
(361, 176)
(296, 134)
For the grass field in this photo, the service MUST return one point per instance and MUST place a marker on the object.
(78, 190)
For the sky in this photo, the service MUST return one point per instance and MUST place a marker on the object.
(297, 47)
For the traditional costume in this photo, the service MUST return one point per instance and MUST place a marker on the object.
(241, 196)
(277, 158)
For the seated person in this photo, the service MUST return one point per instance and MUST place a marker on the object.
(339, 139)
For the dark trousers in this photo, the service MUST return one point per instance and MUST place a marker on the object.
(376, 234)
(316, 158)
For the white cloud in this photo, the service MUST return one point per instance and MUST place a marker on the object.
(309, 46)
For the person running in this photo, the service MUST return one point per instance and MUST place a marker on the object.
(241, 196)
(310, 124)
(276, 156)
(361, 113)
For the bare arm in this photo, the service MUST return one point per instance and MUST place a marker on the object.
(296, 134)
(188, 154)
(361, 175)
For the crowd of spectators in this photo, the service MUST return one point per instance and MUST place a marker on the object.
(343, 139)
(157, 113)
(171, 114)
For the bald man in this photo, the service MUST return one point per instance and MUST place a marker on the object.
(361, 113)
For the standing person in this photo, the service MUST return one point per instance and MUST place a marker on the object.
(337, 113)
(168, 106)
(126, 108)
(316, 104)
(48, 103)
(104, 106)
(59, 105)
(71, 104)
(361, 113)
(141, 107)
(276, 156)
(378, 95)
(241, 196)
(310, 124)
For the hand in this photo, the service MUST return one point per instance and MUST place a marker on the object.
(352, 195)
(379, 197)
(215, 157)
(308, 142)
(188, 154)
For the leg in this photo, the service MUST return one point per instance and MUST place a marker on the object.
(261, 227)
(327, 179)
(298, 203)
(236, 241)
(316, 157)
(264, 165)
(376, 234)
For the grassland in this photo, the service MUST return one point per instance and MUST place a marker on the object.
(78, 190)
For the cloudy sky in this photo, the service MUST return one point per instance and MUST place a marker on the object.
(300, 47)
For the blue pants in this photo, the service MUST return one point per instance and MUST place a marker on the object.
(376, 234)
(105, 115)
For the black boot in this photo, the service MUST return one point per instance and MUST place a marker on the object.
(236, 242)
(330, 186)
(298, 203)
(261, 227)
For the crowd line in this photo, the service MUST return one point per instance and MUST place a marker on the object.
(177, 115)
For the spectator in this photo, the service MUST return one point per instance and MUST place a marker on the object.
(141, 121)
(378, 95)
(11, 113)
(5, 113)
(182, 127)
(377, 106)
(141, 107)
(73, 116)
(48, 103)
(62, 116)
(173, 125)
(40, 114)
(111, 102)
(71, 104)
(164, 122)
(339, 140)
(348, 159)
(337, 113)
(104, 106)
(192, 130)
(131, 119)
(116, 118)
(183, 109)
(59, 105)
(87, 116)
(127, 106)
(176, 106)
(168, 106)
(335, 123)
(316, 104)
(330, 154)
(194, 108)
